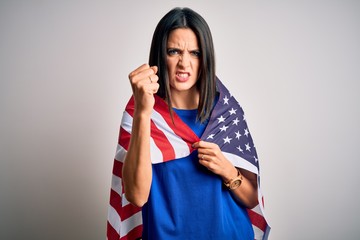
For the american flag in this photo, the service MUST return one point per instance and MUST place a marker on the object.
(227, 127)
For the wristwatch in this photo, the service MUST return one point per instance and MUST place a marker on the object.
(235, 182)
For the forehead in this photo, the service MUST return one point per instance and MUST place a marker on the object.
(182, 37)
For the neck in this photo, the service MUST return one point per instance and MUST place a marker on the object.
(185, 100)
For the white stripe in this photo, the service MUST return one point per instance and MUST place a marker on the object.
(124, 201)
(241, 163)
(120, 153)
(260, 198)
(114, 219)
(257, 209)
(258, 233)
(126, 124)
(124, 227)
(130, 223)
(116, 184)
(180, 147)
(155, 153)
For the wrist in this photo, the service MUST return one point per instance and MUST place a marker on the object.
(230, 174)
(142, 115)
(234, 182)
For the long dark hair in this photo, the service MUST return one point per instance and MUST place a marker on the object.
(186, 18)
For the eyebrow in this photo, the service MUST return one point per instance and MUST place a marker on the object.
(180, 50)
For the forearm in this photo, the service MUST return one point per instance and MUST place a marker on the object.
(246, 193)
(137, 169)
(211, 156)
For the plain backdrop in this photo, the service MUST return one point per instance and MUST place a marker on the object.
(293, 65)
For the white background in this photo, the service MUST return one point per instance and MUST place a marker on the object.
(293, 65)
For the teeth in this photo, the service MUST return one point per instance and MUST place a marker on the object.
(183, 75)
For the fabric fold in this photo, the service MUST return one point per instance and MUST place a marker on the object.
(171, 139)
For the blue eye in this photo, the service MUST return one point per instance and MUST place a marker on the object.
(172, 51)
(196, 53)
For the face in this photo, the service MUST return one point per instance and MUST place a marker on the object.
(183, 61)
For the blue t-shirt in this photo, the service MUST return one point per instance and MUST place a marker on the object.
(187, 201)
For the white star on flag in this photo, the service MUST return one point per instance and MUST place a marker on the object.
(221, 119)
(238, 135)
(236, 121)
(226, 100)
(211, 136)
(227, 139)
(232, 111)
(246, 132)
(239, 148)
(223, 128)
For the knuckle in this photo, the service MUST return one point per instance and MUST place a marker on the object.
(150, 71)
(131, 75)
(132, 78)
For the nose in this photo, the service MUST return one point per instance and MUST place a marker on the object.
(184, 60)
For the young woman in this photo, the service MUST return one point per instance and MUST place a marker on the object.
(186, 167)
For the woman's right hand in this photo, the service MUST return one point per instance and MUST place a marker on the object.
(137, 168)
(144, 84)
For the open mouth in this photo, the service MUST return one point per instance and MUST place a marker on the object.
(182, 76)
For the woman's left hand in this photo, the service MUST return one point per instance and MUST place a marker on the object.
(211, 157)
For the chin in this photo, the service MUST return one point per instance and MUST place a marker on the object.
(183, 86)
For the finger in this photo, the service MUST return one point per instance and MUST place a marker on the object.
(139, 69)
(206, 157)
(196, 145)
(205, 145)
(205, 151)
(153, 78)
(152, 88)
(142, 73)
(155, 69)
(209, 165)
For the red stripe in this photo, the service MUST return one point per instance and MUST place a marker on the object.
(162, 143)
(115, 201)
(124, 211)
(128, 211)
(133, 234)
(178, 126)
(257, 220)
(130, 106)
(124, 138)
(111, 233)
(117, 168)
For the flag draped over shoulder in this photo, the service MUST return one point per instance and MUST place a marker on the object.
(227, 127)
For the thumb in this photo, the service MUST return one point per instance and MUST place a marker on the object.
(155, 69)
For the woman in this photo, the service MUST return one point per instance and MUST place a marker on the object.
(186, 167)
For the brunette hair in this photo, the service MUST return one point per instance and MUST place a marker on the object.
(188, 19)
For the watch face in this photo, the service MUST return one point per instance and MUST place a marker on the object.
(235, 184)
